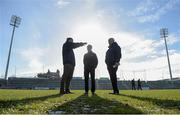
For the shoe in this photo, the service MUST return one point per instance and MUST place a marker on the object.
(61, 92)
(111, 93)
(68, 92)
(86, 93)
(115, 93)
(93, 93)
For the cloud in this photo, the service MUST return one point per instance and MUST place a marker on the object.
(151, 69)
(62, 3)
(152, 10)
(33, 57)
(173, 38)
(141, 54)
(135, 46)
(38, 59)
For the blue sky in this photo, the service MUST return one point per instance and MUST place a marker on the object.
(134, 24)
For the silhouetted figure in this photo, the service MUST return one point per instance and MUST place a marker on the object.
(139, 85)
(49, 71)
(57, 71)
(90, 63)
(69, 63)
(113, 56)
(133, 84)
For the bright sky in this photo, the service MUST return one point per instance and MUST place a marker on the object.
(134, 24)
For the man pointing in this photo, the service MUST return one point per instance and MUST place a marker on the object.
(69, 63)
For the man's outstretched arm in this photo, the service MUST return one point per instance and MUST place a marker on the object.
(76, 45)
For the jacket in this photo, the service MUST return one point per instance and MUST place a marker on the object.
(113, 54)
(90, 60)
(68, 53)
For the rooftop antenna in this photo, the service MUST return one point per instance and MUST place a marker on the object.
(15, 22)
(164, 34)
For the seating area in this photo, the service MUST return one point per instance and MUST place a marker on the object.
(78, 83)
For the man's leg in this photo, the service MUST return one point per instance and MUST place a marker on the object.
(112, 73)
(111, 76)
(115, 78)
(93, 85)
(139, 87)
(132, 86)
(63, 79)
(70, 75)
(86, 79)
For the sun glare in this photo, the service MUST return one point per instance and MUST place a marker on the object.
(94, 34)
(89, 32)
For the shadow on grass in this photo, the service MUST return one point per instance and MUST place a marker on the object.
(13, 103)
(94, 104)
(169, 104)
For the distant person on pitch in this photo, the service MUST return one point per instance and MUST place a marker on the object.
(133, 84)
(69, 63)
(113, 56)
(90, 63)
(139, 85)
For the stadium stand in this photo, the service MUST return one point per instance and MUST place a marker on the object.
(78, 83)
(51, 80)
(2, 83)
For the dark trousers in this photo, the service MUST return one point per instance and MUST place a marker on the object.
(86, 75)
(133, 87)
(112, 72)
(139, 87)
(66, 77)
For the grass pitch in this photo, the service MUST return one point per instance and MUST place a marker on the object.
(49, 101)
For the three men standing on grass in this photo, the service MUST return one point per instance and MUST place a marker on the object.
(112, 59)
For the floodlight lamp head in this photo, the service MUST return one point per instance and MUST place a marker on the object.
(15, 21)
(164, 32)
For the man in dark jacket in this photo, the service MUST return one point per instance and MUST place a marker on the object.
(139, 85)
(113, 56)
(133, 84)
(90, 63)
(69, 63)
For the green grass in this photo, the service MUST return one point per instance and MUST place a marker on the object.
(48, 101)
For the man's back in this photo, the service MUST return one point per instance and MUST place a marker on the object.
(90, 60)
